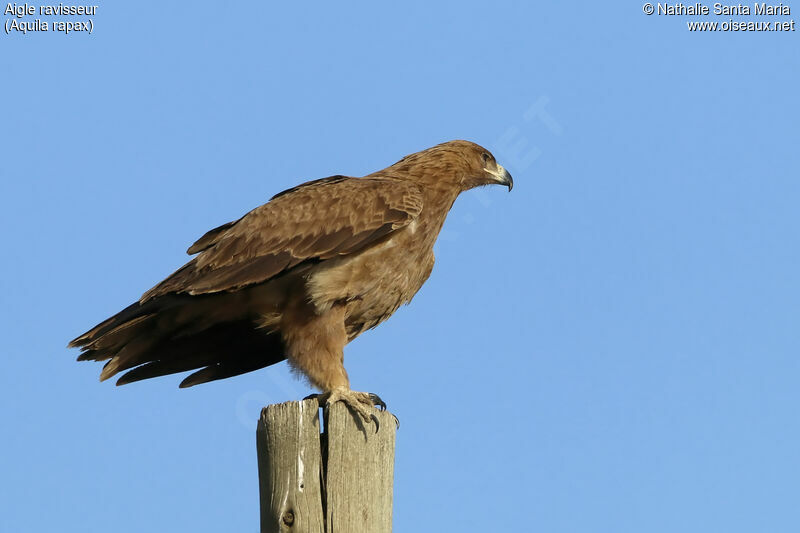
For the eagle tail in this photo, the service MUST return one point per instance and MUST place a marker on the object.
(165, 336)
(219, 352)
(130, 313)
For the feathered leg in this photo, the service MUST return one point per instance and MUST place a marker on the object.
(315, 348)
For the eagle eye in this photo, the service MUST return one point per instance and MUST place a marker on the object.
(485, 157)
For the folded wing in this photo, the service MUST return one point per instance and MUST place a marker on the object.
(312, 222)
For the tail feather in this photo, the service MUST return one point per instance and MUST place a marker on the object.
(129, 313)
(94, 355)
(235, 366)
(230, 349)
(177, 333)
(120, 335)
(134, 352)
(164, 367)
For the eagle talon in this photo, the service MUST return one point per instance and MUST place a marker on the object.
(376, 401)
(360, 403)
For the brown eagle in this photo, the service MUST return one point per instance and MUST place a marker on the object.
(297, 278)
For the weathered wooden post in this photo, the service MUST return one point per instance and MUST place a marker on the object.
(337, 481)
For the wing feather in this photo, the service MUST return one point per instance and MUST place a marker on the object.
(315, 221)
(210, 238)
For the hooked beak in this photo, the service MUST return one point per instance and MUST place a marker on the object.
(502, 176)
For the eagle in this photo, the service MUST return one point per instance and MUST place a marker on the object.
(297, 278)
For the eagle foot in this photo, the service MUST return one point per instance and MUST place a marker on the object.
(360, 404)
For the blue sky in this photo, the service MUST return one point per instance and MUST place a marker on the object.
(613, 346)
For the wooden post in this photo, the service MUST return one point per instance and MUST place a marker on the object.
(337, 481)
(289, 462)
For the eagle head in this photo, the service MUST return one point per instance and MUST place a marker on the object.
(460, 164)
(483, 168)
